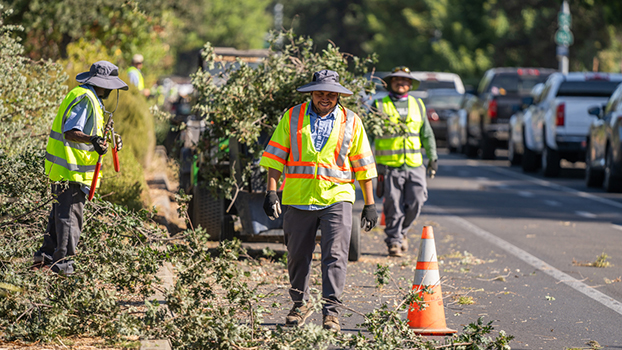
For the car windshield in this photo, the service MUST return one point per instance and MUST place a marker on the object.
(443, 101)
(435, 84)
(593, 88)
(504, 84)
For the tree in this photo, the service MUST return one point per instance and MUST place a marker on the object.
(125, 27)
(242, 24)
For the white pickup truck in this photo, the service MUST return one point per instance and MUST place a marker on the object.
(558, 126)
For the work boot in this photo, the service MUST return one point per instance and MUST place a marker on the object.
(331, 323)
(395, 250)
(297, 315)
(404, 245)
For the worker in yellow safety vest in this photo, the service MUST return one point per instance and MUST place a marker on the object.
(75, 143)
(401, 174)
(136, 76)
(322, 147)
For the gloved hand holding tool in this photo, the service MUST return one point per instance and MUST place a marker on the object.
(116, 141)
(432, 168)
(271, 205)
(369, 217)
(101, 147)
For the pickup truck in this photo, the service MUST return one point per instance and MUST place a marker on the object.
(499, 91)
(557, 129)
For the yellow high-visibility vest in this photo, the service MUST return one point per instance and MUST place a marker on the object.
(141, 81)
(325, 177)
(68, 160)
(403, 147)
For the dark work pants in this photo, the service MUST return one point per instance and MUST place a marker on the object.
(300, 228)
(404, 194)
(64, 228)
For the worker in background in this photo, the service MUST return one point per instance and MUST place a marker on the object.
(74, 146)
(136, 76)
(324, 147)
(401, 174)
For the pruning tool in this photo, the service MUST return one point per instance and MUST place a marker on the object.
(109, 128)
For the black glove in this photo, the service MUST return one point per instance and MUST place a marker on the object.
(369, 217)
(380, 186)
(101, 147)
(432, 168)
(271, 205)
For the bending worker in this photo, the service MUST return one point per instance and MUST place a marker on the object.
(74, 146)
(401, 172)
(324, 147)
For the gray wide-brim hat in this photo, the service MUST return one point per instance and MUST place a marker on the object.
(403, 74)
(325, 80)
(104, 75)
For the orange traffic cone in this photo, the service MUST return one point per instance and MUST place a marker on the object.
(431, 320)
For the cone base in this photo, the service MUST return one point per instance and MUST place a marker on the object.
(427, 331)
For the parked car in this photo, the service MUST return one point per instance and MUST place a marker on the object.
(499, 91)
(603, 157)
(457, 124)
(558, 129)
(515, 141)
(440, 105)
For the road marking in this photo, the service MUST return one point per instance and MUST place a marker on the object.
(481, 178)
(533, 261)
(552, 203)
(556, 186)
(525, 194)
(617, 227)
(585, 214)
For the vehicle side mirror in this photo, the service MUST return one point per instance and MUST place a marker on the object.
(595, 111)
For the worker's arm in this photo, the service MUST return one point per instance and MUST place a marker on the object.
(77, 136)
(368, 189)
(273, 179)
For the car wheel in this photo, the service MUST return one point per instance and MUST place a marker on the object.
(550, 162)
(593, 177)
(488, 147)
(612, 181)
(530, 159)
(515, 158)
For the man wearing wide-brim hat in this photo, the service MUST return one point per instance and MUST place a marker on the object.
(402, 176)
(75, 143)
(323, 147)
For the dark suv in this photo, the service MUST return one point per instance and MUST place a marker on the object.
(499, 91)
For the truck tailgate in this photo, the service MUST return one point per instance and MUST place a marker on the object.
(576, 119)
(505, 105)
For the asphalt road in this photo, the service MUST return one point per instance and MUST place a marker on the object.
(512, 248)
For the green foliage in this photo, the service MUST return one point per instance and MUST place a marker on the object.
(251, 102)
(29, 92)
(242, 24)
(121, 27)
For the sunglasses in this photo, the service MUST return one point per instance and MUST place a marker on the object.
(401, 69)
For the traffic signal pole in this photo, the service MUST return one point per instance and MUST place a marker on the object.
(563, 37)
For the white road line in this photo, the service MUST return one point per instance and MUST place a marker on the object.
(556, 186)
(585, 214)
(552, 203)
(525, 194)
(534, 261)
(481, 178)
(617, 227)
